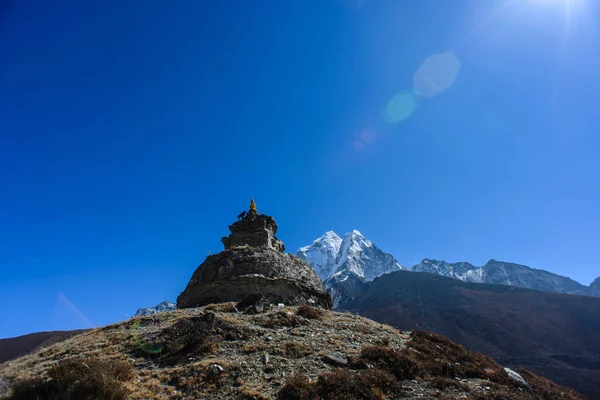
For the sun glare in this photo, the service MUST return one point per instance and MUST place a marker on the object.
(546, 14)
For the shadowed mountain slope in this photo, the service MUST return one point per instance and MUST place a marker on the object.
(556, 335)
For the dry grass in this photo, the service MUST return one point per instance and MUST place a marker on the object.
(253, 348)
(429, 355)
(249, 393)
(298, 387)
(90, 378)
(294, 350)
(280, 319)
(342, 384)
(222, 307)
(446, 383)
(437, 356)
(185, 365)
(546, 389)
(396, 362)
(310, 312)
(185, 337)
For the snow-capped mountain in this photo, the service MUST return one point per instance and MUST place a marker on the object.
(460, 270)
(162, 307)
(331, 256)
(503, 273)
(322, 254)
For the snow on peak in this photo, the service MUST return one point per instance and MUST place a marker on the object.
(162, 307)
(503, 273)
(354, 254)
(321, 253)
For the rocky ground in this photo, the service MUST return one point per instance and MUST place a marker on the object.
(215, 352)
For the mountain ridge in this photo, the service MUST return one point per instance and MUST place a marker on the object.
(331, 256)
(505, 273)
(553, 334)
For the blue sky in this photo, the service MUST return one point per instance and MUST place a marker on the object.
(132, 134)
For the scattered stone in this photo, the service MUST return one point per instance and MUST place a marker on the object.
(253, 304)
(265, 358)
(4, 388)
(335, 360)
(517, 378)
(216, 369)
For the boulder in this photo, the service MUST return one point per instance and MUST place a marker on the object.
(517, 378)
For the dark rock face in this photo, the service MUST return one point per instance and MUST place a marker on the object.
(253, 265)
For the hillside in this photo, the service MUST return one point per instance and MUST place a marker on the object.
(285, 352)
(556, 335)
(18, 346)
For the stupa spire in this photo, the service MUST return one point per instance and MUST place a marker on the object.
(253, 206)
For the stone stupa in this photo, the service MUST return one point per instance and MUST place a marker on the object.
(254, 266)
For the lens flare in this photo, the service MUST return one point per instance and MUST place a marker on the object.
(150, 348)
(436, 74)
(369, 135)
(400, 107)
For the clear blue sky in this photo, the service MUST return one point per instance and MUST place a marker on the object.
(132, 134)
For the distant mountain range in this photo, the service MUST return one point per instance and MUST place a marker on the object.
(164, 306)
(553, 334)
(335, 259)
(502, 309)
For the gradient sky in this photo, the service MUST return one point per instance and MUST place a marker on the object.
(132, 133)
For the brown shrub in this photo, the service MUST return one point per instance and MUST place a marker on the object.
(90, 378)
(370, 384)
(280, 319)
(310, 312)
(222, 307)
(382, 341)
(294, 350)
(398, 362)
(188, 336)
(253, 348)
(298, 387)
(445, 384)
(234, 331)
(247, 393)
(545, 389)
(499, 393)
(439, 356)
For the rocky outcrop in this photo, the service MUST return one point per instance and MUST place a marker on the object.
(253, 265)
